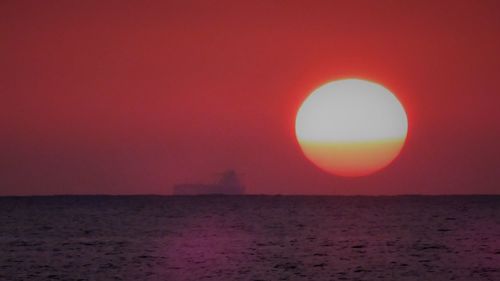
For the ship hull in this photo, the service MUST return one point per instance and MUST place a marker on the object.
(200, 189)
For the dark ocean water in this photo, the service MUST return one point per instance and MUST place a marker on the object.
(250, 238)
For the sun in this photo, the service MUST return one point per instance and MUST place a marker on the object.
(351, 127)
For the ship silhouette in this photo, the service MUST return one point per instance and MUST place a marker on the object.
(228, 183)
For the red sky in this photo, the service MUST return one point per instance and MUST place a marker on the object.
(130, 97)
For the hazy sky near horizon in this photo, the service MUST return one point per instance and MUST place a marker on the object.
(130, 97)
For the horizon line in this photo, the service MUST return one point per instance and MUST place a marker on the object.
(252, 194)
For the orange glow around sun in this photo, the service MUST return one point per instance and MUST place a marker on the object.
(351, 127)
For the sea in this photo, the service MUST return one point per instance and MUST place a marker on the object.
(398, 238)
